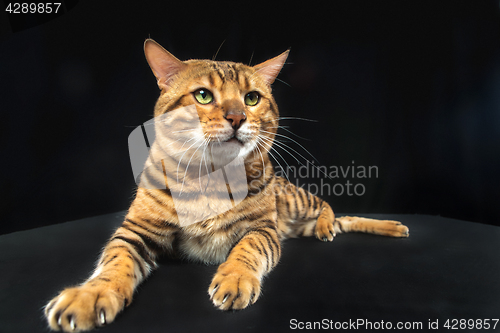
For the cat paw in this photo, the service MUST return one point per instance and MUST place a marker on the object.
(233, 288)
(324, 230)
(83, 308)
(388, 228)
(396, 229)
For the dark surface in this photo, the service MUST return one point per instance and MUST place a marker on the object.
(446, 269)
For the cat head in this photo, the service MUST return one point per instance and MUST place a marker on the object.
(236, 112)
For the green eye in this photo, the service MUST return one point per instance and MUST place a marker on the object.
(203, 96)
(252, 98)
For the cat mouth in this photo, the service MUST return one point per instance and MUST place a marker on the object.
(234, 139)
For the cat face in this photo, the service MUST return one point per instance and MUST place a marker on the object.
(236, 115)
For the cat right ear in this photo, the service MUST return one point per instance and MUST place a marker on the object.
(270, 69)
(163, 64)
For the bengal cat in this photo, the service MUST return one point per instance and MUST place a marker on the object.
(238, 118)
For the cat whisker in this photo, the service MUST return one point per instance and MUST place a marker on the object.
(186, 130)
(216, 53)
(185, 143)
(298, 136)
(294, 141)
(251, 57)
(297, 118)
(279, 126)
(173, 142)
(285, 147)
(189, 162)
(260, 140)
(262, 158)
(276, 160)
(179, 163)
(180, 150)
(207, 140)
(290, 118)
(277, 79)
(286, 129)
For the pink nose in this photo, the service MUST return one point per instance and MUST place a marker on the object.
(236, 119)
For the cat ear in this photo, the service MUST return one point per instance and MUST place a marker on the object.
(163, 64)
(270, 69)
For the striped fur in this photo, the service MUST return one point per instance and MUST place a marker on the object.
(245, 240)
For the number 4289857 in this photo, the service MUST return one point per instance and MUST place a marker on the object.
(32, 8)
(478, 324)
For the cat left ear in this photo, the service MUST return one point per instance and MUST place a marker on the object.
(163, 64)
(270, 69)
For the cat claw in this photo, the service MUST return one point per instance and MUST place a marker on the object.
(102, 318)
(213, 291)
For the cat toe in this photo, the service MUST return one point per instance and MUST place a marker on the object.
(234, 291)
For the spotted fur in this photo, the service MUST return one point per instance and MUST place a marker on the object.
(246, 240)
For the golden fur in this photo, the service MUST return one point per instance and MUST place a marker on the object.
(245, 240)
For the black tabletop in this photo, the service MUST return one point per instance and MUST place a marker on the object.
(446, 272)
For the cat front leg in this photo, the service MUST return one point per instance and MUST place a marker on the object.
(127, 259)
(237, 283)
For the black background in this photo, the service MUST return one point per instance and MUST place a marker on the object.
(412, 87)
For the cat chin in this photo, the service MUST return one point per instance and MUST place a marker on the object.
(227, 151)
(246, 149)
